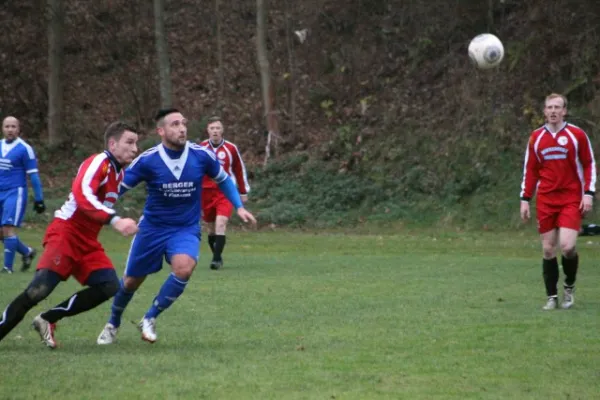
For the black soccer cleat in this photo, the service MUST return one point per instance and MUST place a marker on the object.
(27, 260)
(215, 265)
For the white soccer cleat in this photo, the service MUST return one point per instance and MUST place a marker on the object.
(568, 298)
(46, 331)
(551, 304)
(108, 334)
(147, 327)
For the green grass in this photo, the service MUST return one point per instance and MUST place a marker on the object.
(417, 315)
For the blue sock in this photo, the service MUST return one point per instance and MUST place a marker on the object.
(21, 248)
(169, 292)
(120, 301)
(10, 248)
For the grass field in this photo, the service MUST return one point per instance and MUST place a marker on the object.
(417, 315)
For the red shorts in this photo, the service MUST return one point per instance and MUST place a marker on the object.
(550, 217)
(215, 203)
(69, 253)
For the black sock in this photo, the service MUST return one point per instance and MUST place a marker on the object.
(211, 242)
(15, 312)
(570, 266)
(218, 247)
(550, 272)
(81, 301)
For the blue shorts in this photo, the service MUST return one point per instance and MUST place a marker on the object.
(13, 203)
(153, 244)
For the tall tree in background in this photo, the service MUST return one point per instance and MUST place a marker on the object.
(268, 91)
(56, 19)
(162, 54)
(220, 100)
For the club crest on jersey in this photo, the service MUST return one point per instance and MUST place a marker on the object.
(563, 141)
(221, 155)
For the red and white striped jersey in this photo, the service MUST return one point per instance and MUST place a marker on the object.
(560, 166)
(229, 156)
(93, 194)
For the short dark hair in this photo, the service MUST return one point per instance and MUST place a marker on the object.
(214, 118)
(163, 113)
(115, 130)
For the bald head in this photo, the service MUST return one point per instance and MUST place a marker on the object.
(10, 128)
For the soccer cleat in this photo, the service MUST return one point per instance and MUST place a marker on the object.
(46, 331)
(147, 327)
(28, 259)
(108, 334)
(6, 270)
(216, 264)
(568, 298)
(551, 304)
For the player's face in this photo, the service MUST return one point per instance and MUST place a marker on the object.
(555, 111)
(125, 149)
(173, 131)
(215, 132)
(10, 128)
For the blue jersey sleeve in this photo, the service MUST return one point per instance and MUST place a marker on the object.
(30, 162)
(213, 168)
(230, 191)
(134, 174)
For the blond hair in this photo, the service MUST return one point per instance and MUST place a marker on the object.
(556, 96)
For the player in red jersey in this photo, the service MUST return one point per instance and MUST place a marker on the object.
(560, 169)
(71, 246)
(216, 209)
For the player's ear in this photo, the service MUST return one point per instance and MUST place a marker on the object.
(112, 144)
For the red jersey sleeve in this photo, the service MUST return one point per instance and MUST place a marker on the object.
(239, 171)
(588, 164)
(92, 173)
(530, 171)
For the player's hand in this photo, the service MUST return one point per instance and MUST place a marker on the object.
(525, 213)
(39, 207)
(246, 215)
(586, 204)
(126, 226)
(244, 198)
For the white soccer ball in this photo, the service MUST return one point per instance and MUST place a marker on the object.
(486, 51)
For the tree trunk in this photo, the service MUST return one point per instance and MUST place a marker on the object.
(55, 61)
(221, 99)
(291, 66)
(268, 91)
(162, 54)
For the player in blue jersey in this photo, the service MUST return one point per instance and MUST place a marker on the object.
(169, 229)
(17, 161)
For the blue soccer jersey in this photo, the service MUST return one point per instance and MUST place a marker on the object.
(18, 160)
(173, 185)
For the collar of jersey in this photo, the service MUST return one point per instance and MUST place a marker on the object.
(217, 146)
(117, 166)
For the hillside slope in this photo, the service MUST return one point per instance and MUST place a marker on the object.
(386, 102)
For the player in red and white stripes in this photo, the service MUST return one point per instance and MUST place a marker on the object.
(216, 209)
(71, 246)
(560, 170)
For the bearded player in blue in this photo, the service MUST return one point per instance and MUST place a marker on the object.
(17, 161)
(169, 228)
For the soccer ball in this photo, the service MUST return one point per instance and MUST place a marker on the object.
(486, 51)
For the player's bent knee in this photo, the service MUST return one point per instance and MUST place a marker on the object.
(132, 283)
(42, 285)
(183, 265)
(105, 280)
(569, 251)
(109, 289)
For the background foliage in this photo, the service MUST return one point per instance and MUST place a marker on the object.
(391, 122)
